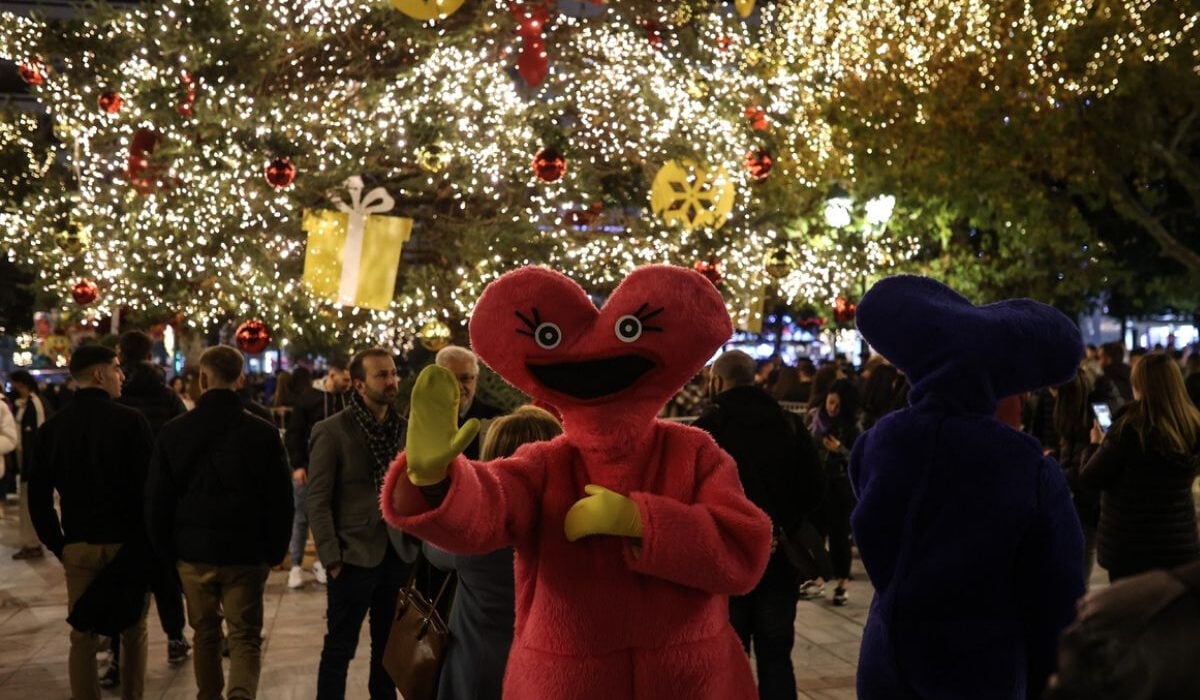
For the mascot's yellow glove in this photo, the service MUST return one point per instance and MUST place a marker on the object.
(434, 438)
(603, 512)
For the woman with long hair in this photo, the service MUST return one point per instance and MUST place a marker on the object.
(1072, 420)
(1144, 469)
(482, 619)
(834, 425)
(884, 390)
(824, 378)
(31, 413)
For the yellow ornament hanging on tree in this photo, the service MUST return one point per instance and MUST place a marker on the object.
(690, 195)
(427, 9)
(744, 7)
(434, 335)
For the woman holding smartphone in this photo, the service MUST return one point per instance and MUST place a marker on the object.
(834, 425)
(1073, 420)
(1144, 468)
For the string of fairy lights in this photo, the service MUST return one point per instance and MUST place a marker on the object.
(432, 111)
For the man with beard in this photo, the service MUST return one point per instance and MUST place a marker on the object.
(367, 560)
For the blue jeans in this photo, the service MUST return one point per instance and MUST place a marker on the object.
(351, 595)
(299, 524)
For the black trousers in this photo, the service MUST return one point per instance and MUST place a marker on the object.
(168, 599)
(356, 592)
(834, 523)
(766, 618)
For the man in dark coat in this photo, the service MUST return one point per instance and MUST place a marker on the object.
(219, 507)
(145, 385)
(366, 559)
(95, 453)
(146, 390)
(312, 406)
(780, 473)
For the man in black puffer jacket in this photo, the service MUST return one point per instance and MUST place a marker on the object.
(145, 390)
(219, 504)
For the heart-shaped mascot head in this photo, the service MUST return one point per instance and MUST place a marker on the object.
(618, 364)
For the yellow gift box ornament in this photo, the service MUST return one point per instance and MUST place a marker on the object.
(353, 253)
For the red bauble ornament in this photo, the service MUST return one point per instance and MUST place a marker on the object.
(757, 116)
(582, 218)
(109, 102)
(144, 177)
(549, 165)
(185, 107)
(280, 173)
(654, 33)
(710, 269)
(812, 324)
(33, 72)
(843, 310)
(84, 292)
(758, 164)
(252, 337)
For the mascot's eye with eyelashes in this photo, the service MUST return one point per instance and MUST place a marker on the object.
(547, 335)
(630, 327)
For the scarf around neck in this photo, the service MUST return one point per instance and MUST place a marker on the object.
(384, 440)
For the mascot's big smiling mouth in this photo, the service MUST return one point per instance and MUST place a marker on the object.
(592, 379)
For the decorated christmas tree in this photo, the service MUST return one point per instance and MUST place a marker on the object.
(366, 168)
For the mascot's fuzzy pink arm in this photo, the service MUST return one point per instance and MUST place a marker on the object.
(605, 616)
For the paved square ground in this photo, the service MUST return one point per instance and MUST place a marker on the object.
(33, 637)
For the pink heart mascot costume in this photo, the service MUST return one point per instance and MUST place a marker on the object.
(600, 615)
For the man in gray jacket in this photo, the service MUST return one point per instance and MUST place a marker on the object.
(367, 561)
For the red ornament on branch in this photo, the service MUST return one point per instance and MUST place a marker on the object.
(84, 292)
(654, 33)
(186, 106)
(844, 311)
(757, 116)
(549, 165)
(252, 337)
(710, 269)
(280, 173)
(811, 324)
(33, 72)
(144, 177)
(758, 163)
(109, 102)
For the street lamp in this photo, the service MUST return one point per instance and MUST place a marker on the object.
(879, 211)
(837, 211)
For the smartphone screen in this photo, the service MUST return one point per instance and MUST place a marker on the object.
(1103, 415)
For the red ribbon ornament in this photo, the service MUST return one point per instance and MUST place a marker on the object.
(533, 64)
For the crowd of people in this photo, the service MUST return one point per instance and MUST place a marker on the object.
(203, 489)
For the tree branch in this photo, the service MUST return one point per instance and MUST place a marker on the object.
(1184, 125)
(1128, 205)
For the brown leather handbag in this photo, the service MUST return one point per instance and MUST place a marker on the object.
(417, 641)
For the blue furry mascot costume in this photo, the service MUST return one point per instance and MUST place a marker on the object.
(965, 528)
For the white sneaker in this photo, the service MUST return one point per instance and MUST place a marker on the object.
(319, 572)
(295, 577)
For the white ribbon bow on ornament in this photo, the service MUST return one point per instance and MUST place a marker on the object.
(376, 201)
